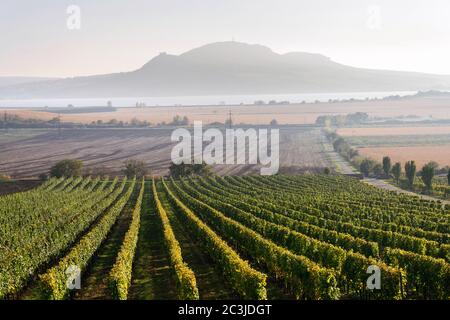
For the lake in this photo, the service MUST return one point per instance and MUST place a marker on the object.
(198, 100)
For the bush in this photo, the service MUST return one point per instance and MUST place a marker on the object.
(367, 166)
(184, 170)
(377, 170)
(67, 168)
(397, 171)
(43, 177)
(135, 168)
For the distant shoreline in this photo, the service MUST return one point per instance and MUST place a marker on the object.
(199, 101)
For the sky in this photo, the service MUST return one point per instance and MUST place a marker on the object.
(40, 38)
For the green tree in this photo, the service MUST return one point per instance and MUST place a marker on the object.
(201, 169)
(448, 177)
(377, 169)
(397, 171)
(387, 165)
(366, 167)
(183, 170)
(135, 168)
(428, 175)
(67, 168)
(326, 171)
(410, 171)
(43, 177)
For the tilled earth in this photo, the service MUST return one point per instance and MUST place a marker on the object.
(104, 151)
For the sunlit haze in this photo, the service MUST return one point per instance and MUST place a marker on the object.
(119, 35)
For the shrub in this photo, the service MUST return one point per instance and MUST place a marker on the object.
(135, 168)
(67, 168)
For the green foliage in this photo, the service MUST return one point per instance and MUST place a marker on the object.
(410, 171)
(377, 170)
(387, 165)
(135, 168)
(53, 282)
(43, 177)
(249, 283)
(341, 120)
(332, 202)
(120, 275)
(305, 278)
(180, 121)
(342, 147)
(367, 166)
(33, 244)
(67, 168)
(316, 233)
(427, 175)
(185, 277)
(184, 170)
(397, 171)
(300, 238)
(427, 276)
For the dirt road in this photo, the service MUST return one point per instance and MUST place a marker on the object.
(387, 186)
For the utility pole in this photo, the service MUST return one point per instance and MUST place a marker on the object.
(5, 121)
(59, 125)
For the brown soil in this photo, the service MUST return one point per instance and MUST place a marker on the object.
(420, 154)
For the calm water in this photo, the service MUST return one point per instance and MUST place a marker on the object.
(197, 100)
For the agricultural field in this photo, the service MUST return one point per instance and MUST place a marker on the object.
(103, 151)
(251, 237)
(420, 154)
(258, 114)
(401, 143)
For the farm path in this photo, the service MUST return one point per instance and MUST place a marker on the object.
(341, 165)
(387, 186)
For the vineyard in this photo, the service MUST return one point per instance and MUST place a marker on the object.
(281, 237)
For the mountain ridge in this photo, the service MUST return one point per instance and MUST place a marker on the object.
(230, 68)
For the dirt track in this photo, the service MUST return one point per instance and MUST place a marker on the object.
(387, 186)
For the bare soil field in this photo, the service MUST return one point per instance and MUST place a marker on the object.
(104, 151)
(420, 154)
(422, 144)
(295, 113)
(393, 131)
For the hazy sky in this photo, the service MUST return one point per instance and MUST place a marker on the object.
(122, 35)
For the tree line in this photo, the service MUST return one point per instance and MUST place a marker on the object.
(131, 168)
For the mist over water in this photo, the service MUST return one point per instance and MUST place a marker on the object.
(199, 100)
